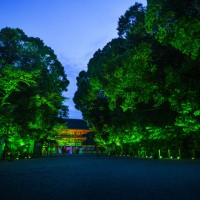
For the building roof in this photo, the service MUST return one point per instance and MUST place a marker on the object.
(77, 124)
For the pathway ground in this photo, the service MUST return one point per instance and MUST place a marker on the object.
(89, 177)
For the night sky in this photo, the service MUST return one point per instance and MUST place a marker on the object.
(74, 29)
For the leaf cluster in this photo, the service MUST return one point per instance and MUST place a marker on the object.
(147, 79)
(31, 84)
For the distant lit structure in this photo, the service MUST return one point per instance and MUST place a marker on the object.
(76, 138)
(71, 140)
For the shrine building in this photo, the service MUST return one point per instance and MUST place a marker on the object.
(76, 138)
(72, 140)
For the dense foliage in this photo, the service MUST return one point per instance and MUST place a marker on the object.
(31, 84)
(141, 93)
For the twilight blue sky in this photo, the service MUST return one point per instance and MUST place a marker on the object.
(74, 29)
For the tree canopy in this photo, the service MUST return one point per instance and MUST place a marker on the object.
(142, 88)
(31, 84)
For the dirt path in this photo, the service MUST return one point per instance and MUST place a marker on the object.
(99, 178)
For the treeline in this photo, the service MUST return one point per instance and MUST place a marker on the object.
(31, 84)
(140, 93)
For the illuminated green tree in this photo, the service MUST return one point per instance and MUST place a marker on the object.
(175, 22)
(31, 85)
(141, 90)
(12, 80)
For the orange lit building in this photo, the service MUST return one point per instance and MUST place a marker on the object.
(71, 140)
(76, 138)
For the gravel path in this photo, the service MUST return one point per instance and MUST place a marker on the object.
(85, 177)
